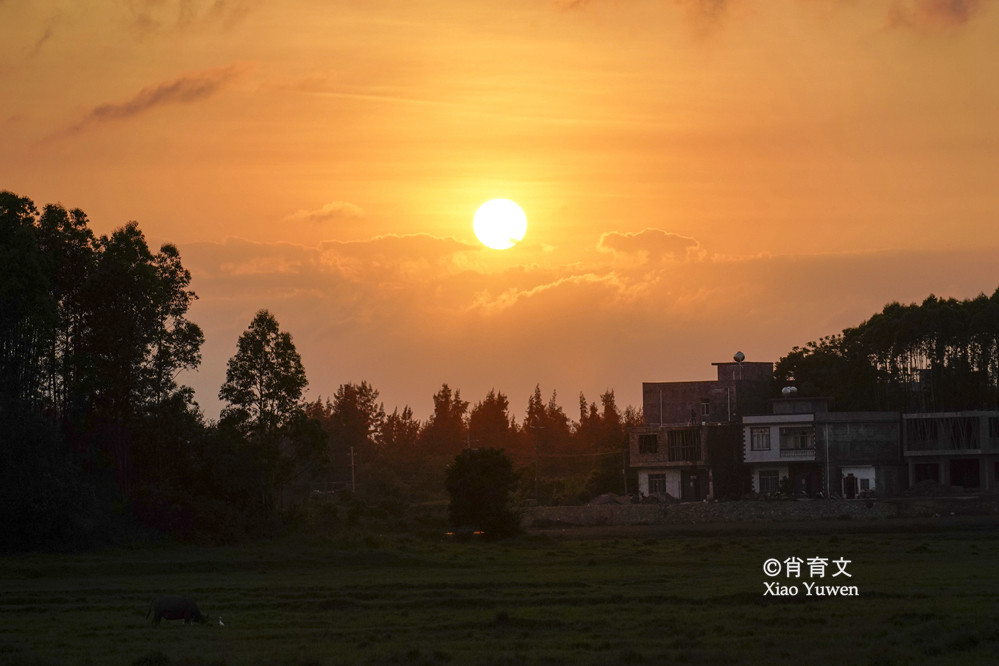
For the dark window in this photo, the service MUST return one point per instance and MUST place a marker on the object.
(648, 444)
(684, 445)
(759, 439)
(797, 438)
(964, 472)
(705, 408)
(963, 433)
(922, 435)
(657, 484)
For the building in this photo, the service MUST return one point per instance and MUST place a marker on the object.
(689, 446)
(953, 448)
(823, 453)
(740, 388)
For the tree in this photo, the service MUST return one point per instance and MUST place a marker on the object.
(353, 421)
(25, 304)
(358, 417)
(444, 433)
(942, 354)
(402, 458)
(400, 433)
(265, 379)
(480, 482)
(489, 423)
(93, 334)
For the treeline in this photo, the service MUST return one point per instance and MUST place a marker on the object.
(97, 437)
(395, 455)
(940, 355)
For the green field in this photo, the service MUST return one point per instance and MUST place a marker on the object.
(927, 595)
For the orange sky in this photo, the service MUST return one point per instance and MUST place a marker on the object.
(699, 176)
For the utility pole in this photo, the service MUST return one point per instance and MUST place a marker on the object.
(624, 471)
(352, 487)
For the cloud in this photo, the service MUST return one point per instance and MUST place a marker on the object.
(705, 11)
(161, 15)
(567, 5)
(40, 42)
(333, 211)
(651, 244)
(934, 14)
(921, 15)
(185, 89)
(407, 312)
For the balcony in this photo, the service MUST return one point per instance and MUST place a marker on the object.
(798, 454)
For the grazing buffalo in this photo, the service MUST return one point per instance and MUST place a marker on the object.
(173, 607)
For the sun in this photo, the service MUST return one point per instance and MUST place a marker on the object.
(499, 224)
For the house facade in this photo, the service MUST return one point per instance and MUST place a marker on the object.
(690, 444)
(687, 462)
(953, 448)
(823, 453)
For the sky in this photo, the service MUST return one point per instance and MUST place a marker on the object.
(700, 177)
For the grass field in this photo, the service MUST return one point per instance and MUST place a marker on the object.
(927, 595)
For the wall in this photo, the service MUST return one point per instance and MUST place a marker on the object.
(708, 512)
(772, 455)
(737, 391)
(672, 481)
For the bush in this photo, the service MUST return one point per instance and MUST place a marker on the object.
(480, 482)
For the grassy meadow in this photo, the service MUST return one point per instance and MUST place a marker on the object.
(928, 594)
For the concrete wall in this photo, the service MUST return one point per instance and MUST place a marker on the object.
(672, 480)
(738, 391)
(710, 512)
(602, 514)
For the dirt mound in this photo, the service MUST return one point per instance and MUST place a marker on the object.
(608, 498)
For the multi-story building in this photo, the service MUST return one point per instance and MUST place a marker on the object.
(690, 445)
(723, 437)
(849, 454)
(953, 448)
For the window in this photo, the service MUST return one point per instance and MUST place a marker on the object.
(657, 484)
(865, 484)
(684, 445)
(705, 408)
(923, 435)
(648, 444)
(759, 439)
(797, 438)
(769, 482)
(963, 433)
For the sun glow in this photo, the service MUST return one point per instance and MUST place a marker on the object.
(499, 224)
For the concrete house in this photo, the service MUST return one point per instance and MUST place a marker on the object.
(823, 453)
(689, 446)
(953, 448)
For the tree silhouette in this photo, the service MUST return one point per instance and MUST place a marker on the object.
(264, 379)
(942, 354)
(93, 334)
(445, 432)
(489, 423)
(480, 482)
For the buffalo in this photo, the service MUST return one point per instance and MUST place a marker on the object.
(172, 607)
